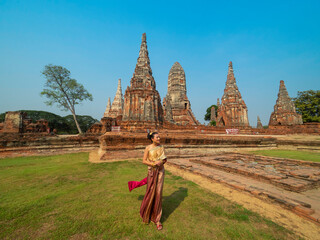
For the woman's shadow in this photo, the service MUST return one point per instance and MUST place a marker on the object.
(171, 202)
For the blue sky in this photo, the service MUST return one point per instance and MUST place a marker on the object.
(98, 41)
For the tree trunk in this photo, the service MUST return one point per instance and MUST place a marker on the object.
(75, 120)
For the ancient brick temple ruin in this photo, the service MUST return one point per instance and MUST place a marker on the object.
(103, 126)
(176, 103)
(259, 124)
(141, 105)
(112, 116)
(13, 122)
(18, 122)
(142, 101)
(141, 108)
(284, 110)
(232, 112)
(116, 109)
(106, 113)
(213, 114)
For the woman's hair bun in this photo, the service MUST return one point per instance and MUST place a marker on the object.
(151, 135)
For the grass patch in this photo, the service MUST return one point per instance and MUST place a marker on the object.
(63, 197)
(291, 154)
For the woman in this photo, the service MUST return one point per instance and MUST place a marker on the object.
(154, 157)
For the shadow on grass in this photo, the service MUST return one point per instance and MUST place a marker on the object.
(171, 202)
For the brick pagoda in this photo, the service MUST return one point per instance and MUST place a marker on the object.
(284, 110)
(117, 104)
(177, 98)
(232, 112)
(259, 124)
(141, 99)
(106, 113)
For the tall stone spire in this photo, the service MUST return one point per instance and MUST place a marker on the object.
(232, 112)
(177, 97)
(231, 85)
(106, 113)
(230, 78)
(117, 104)
(213, 114)
(259, 124)
(284, 99)
(142, 76)
(141, 100)
(284, 110)
(177, 82)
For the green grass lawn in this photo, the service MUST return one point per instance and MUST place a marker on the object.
(66, 197)
(292, 154)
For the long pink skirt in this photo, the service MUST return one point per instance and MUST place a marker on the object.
(151, 206)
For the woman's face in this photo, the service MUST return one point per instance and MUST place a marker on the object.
(156, 139)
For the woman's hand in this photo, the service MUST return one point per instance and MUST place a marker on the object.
(159, 163)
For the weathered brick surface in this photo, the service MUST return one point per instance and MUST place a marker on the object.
(232, 112)
(106, 113)
(304, 210)
(13, 122)
(24, 144)
(213, 114)
(291, 175)
(132, 140)
(176, 103)
(18, 122)
(259, 124)
(284, 110)
(116, 108)
(306, 204)
(141, 99)
(103, 126)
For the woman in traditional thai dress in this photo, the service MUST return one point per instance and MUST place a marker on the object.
(155, 158)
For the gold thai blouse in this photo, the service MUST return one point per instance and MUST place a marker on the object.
(156, 154)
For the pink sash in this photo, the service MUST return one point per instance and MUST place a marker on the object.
(135, 184)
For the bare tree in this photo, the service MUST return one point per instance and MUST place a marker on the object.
(61, 89)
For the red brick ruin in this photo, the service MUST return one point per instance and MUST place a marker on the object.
(116, 109)
(106, 113)
(259, 124)
(232, 112)
(176, 104)
(142, 101)
(284, 111)
(112, 115)
(18, 122)
(141, 108)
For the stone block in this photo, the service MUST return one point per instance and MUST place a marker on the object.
(304, 210)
